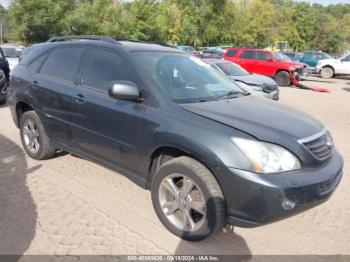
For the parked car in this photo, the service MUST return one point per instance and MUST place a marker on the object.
(329, 68)
(212, 52)
(4, 65)
(2, 87)
(258, 85)
(13, 54)
(267, 63)
(210, 153)
(294, 56)
(188, 49)
(311, 58)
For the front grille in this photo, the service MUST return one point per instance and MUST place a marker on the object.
(320, 145)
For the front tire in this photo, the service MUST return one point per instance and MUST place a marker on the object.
(282, 78)
(187, 199)
(34, 138)
(327, 72)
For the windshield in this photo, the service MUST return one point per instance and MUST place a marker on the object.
(326, 56)
(186, 79)
(11, 52)
(187, 48)
(286, 58)
(232, 69)
(279, 56)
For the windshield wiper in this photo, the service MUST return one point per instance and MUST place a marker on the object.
(229, 95)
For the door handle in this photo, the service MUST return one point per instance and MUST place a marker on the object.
(35, 84)
(79, 99)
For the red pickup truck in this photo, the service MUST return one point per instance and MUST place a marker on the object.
(264, 62)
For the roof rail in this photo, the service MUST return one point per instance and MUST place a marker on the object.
(82, 37)
(145, 41)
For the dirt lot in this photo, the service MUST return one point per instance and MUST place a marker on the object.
(68, 205)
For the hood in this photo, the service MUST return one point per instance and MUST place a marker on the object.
(255, 79)
(329, 61)
(264, 119)
(295, 64)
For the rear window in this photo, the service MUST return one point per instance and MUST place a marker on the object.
(248, 55)
(63, 63)
(231, 53)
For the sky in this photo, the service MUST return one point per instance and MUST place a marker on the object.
(324, 2)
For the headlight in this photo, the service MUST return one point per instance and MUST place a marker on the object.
(266, 157)
(249, 87)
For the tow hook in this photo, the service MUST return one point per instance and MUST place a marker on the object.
(228, 229)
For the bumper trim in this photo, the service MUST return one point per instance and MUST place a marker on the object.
(234, 221)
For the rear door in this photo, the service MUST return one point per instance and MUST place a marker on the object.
(52, 86)
(104, 128)
(247, 60)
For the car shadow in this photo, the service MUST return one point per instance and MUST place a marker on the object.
(18, 215)
(316, 80)
(346, 88)
(220, 244)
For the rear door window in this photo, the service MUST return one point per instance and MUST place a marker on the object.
(231, 53)
(248, 55)
(104, 66)
(63, 63)
(36, 64)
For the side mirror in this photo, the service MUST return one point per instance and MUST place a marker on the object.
(124, 90)
(269, 59)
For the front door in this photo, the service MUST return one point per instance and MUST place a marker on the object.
(344, 67)
(104, 128)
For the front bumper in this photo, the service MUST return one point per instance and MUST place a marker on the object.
(255, 199)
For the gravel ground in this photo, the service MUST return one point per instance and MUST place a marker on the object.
(68, 205)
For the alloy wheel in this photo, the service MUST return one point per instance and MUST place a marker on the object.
(31, 136)
(182, 202)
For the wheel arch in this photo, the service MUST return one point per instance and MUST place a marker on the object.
(20, 108)
(328, 65)
(164, 153)
(282, 69)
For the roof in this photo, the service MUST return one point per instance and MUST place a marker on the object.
(215, 61)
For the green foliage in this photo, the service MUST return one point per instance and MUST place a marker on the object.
(256, 23)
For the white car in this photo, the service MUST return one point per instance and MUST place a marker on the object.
(12, 54)
(328, 68)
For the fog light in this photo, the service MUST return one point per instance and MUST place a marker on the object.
(288, 204)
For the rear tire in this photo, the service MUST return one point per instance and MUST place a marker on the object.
(193, 206)
(282, 78)
(327, 72)
(34, 138)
